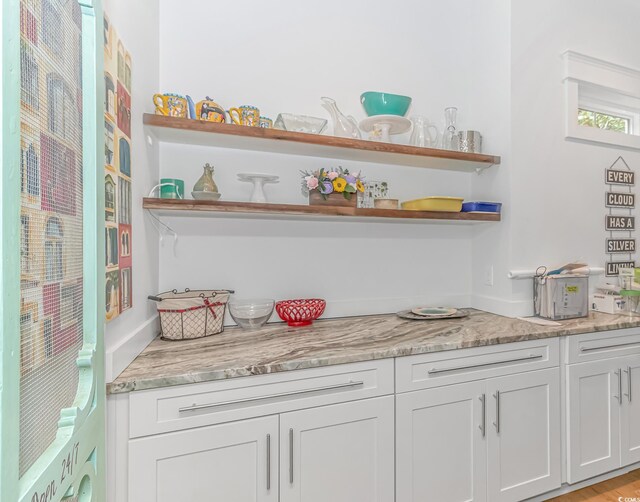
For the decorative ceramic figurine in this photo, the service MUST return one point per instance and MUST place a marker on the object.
(343, 126)
(206, 183)
(266, 123)
(245, 115)
(209, 110)
(170, 105)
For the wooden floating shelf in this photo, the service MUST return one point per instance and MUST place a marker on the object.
(198, 132)
(175, 207)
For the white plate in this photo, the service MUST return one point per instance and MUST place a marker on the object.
(434, 311)
(206, 195)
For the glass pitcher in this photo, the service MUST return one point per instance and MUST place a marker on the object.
(424, 134)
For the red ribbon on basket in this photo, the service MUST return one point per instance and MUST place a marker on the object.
(211, 305)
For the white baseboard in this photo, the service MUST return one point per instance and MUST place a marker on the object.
(119, 357)
(500, 306)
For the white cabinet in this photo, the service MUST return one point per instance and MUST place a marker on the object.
(338, 453)
(524, 438)
(496, 439)
(237, 462)
(603, 416)
(630, 417)
(440, 444)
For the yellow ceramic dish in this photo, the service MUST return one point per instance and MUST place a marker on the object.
(446, 204)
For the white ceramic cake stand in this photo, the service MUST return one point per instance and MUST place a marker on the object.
(381, 127)
(259, 181)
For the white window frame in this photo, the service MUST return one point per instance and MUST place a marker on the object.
(584, 75)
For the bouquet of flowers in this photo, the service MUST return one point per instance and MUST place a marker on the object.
(327, 182)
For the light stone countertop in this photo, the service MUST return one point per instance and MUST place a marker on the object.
(277, 347)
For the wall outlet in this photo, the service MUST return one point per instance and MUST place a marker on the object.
(488, 275)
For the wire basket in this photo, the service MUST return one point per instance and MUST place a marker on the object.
(191, 314)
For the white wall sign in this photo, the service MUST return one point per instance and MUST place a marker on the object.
(613, 267)
(615, 177)
(621, 246)
(620, 223)
(617, 199)
(620, 202)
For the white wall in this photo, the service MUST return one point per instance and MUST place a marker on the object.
(282, 59)
(137, 24)
(557, 188)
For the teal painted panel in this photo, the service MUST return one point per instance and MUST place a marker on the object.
(72, 465)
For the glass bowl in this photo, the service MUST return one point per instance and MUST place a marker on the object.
(251, 313)
(300, 123)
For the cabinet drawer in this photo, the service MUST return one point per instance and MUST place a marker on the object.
(594, 346)
(464, 365)
(185, 406)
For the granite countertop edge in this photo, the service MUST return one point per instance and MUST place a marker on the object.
(528, 331)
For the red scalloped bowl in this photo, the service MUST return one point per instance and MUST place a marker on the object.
(300, 312)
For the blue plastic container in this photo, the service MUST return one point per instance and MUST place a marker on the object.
(481, 207)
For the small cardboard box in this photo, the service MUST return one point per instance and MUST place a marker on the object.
(609, 304)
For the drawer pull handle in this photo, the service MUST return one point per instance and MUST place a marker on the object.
(472, 366)
(497, 422)
(290, 456)
(271, 396)
(601, 347)
(619, 396)
(268, 461)
(629, 381)
(483, 423)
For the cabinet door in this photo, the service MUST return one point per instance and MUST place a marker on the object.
(338, 453)
(440, 444)
(524, 438)
(593, 419)
(232, 462)
(630, 418)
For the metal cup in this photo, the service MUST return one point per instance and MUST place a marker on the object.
(470, 141)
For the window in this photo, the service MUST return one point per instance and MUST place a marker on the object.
(126, 288)
(30, 180)
(124, 201)
(48, 338)
(110, 95)
(53, 250)
(111, 246)
(67, 305)
(63, 116)
(602, 101)
(29, 76)
(109, 198)
(124, 150)
(52, 34)
(592, 118)
(124, 244)
(26, 342)
(25, 259)
(108, 143)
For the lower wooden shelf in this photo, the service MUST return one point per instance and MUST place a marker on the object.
(175, 207)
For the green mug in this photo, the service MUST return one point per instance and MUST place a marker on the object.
(171, 188)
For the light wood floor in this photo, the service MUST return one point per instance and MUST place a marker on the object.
(626, 486)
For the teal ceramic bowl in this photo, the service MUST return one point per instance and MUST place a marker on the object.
(383, 103)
